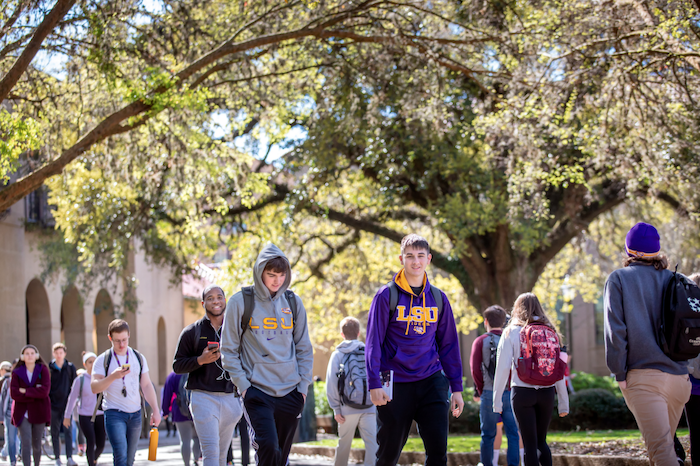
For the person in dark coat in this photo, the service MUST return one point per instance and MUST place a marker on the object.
(63, 373)
(31, 410)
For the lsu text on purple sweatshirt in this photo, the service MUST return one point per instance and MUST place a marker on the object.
(415, 341)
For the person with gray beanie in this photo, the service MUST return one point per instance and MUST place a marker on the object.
(654, 386)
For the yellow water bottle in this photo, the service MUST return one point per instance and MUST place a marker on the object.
(153, 444)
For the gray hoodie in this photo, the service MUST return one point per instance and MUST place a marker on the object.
(332, 393)
(275, 353)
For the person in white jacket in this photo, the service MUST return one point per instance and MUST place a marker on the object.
(532, 404)
(349, 417)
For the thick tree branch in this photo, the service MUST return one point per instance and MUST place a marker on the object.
(570, 227)
(673, 202)
(59, 10)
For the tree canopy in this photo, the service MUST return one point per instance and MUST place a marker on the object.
(499, 130)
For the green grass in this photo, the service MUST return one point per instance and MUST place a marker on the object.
(464, 443)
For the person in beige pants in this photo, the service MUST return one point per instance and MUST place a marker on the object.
(655, 387)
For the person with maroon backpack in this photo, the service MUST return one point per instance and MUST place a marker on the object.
(530, 353)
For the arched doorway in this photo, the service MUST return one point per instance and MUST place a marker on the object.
(38, 318)
(104, 314)
(162, 352)
(73, 325)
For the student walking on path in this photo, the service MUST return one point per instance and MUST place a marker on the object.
(214, 403)
(532, 403)
(176, 406)
(119, 373)
(348, 417)
(269, 355)
(81, 394)
(655, 387)
(10, 447)
(483, 369)
(31, 411)
(415, 337)
(63, 373)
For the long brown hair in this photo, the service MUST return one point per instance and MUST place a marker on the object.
(659, 262)
(526, 310)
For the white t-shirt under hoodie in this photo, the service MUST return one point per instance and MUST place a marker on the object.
(113, 398)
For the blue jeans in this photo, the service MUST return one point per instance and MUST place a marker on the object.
(123, 430)
(489, 419)
(11, 439)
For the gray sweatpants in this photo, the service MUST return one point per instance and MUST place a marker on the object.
(215, 417)
(188, 433)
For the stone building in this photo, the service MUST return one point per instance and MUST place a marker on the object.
(42, 313)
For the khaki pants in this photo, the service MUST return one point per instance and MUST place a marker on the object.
(657, 400)
(367, 423)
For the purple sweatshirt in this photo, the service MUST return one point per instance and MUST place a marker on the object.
(88, 400)
(168, 403)
(417, 342)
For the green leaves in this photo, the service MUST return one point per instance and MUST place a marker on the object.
(18, 135)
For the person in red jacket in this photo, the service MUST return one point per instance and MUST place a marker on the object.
(31, 409)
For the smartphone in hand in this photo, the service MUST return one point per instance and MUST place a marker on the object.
(213, 346)
(126, 367)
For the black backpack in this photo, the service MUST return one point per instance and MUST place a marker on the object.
(249, 306)
(394, 298)
(352, 380)
(489, 365)
(182, 397)
(679, 336)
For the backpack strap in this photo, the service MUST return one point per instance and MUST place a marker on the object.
(248, 306)
(80, 393)
(140, 358)
(394, 298)
(292, 300)
(107, 359)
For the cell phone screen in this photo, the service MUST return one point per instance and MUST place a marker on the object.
(213, 345)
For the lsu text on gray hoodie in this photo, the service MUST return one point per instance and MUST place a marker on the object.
(347, 346)
(274, 354)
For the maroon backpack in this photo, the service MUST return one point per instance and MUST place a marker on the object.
(539, 362)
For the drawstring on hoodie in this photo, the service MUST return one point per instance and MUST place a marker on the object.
(410, 313)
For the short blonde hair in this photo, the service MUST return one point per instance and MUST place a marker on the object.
(59, 345)
(350, 327)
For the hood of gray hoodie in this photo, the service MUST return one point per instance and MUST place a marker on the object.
(268, 253)
(275, 354)
(346, 346)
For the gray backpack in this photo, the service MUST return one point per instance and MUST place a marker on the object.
(352, 380)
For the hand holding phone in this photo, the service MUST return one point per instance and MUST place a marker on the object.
(126, 367)
(210, 354)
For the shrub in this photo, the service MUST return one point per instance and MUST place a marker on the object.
(594, 408)
(321, 401)
(585, 381)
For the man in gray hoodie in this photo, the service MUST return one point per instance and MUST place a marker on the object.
(269, 357)
(348, 417)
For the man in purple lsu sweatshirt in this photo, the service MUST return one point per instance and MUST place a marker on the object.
(417, 340)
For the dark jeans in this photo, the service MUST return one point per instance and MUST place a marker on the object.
(533, 410)
(692, 414)
(123, 430)
(94, 436)
(31, 435)
(273, 421)
(488, 422)
(425, 401)
(56, 428)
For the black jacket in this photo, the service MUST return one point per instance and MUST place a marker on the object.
(61, 382)
(209, 377)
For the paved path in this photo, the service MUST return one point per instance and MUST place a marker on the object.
(169, 455)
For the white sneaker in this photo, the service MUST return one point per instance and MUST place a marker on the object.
(71, 462)
(58, 461)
